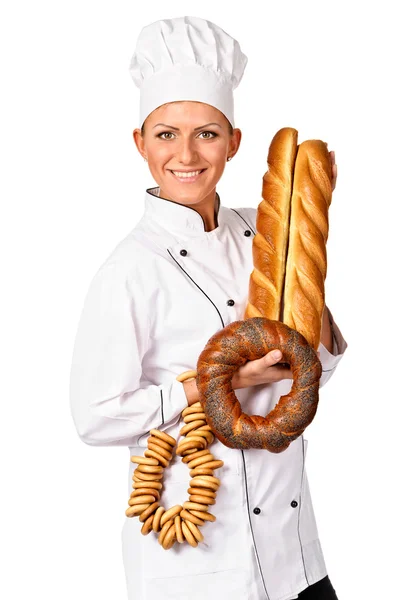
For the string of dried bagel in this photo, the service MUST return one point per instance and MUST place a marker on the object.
(181, 522)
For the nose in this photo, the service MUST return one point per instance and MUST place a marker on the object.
(187, 152)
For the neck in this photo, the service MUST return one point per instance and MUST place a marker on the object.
(207, 208)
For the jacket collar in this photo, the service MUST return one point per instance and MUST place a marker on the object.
(176, 217)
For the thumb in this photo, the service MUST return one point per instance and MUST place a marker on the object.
(272, 357)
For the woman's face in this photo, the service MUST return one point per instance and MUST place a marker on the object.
(186, 145)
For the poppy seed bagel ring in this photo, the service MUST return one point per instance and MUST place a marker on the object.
(230, 348)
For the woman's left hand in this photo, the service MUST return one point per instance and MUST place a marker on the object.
(334, 170)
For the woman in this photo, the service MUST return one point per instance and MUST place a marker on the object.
(178, 277)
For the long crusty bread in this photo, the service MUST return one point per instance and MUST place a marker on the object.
(269, 245)
(306, 266)
(289, 248)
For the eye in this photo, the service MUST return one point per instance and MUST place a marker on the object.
(165, 133)
(211, 132)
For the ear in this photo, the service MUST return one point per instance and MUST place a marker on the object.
(235, 142)
(139, 141)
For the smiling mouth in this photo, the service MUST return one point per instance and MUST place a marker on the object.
(187, 177)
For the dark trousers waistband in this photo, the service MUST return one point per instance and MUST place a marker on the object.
(321, 590)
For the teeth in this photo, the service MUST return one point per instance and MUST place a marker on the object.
(192, 174)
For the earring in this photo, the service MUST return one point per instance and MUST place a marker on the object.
(229, 157)
(145, 160)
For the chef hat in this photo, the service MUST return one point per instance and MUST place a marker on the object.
(186, 58)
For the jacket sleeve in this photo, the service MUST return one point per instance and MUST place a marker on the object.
(109, 406)
(329, 361)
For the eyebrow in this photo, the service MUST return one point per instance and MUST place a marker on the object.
(176, 128)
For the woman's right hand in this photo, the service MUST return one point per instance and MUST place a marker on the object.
(262, 370)
(254, 372)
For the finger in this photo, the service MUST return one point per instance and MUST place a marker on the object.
(287, 374)
(272, 357)
(280, 373)
(334, 177)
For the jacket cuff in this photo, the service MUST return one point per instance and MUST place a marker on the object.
(329, 360)
(176, 403)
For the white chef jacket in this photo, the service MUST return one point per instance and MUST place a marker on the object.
(149, 311)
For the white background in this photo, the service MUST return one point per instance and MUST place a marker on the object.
(72, 186)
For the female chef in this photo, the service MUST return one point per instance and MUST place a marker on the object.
(178, 277)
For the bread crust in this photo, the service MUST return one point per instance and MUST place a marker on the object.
(289, 248)
(269, 247)
(306, 266)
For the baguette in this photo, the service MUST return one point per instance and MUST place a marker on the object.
(289, 248)
(269, 246)
(306, 266)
